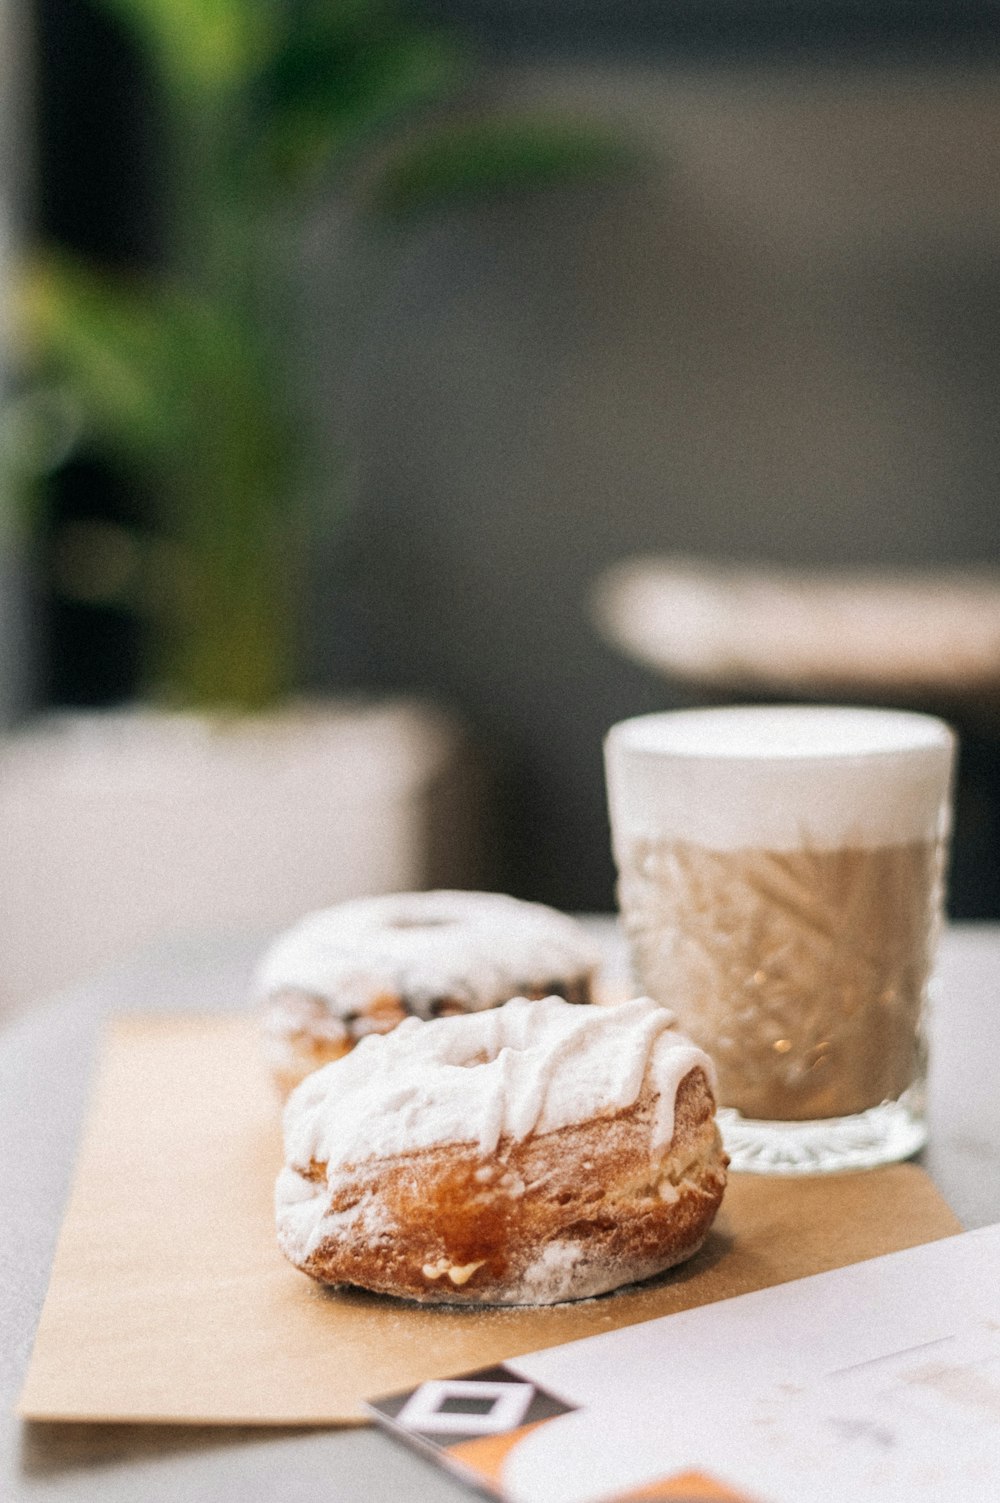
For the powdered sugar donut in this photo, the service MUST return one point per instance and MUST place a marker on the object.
(534, 1153)
(363, 966)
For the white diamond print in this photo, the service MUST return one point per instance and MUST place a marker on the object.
(423, 1411)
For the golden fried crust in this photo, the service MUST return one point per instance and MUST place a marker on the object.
(565, 1215)
(302, 1055)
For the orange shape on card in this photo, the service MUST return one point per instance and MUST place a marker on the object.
(684, 1487)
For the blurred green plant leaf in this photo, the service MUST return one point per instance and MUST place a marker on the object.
(107, 344)
(202, 47)
(339, 75)
(145, 363)
(39, 429)
(468, 159)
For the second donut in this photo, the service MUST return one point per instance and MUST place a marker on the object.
(363, 966)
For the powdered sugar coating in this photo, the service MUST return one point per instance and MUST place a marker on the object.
(476, 949)
(525, 1068)
(540, 1152)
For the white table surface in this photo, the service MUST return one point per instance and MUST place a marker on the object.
(46, 1056)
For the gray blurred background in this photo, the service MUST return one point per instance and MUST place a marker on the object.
(776, 338)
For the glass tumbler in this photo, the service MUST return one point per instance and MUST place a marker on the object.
(781, 887)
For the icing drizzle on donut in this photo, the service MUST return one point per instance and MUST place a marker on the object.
(526, 1067)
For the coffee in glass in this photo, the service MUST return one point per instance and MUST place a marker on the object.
(781, 882)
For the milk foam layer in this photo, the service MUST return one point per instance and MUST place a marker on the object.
(524, 1068)
(779, 777)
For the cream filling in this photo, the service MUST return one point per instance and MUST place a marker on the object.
(458, 1273)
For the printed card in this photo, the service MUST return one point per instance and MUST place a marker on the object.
(879, 1381)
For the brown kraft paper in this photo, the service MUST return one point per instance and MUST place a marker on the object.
(170, 1302)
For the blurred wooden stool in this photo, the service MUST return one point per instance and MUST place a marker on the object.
(922, 638)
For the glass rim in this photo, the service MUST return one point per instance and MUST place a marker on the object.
(688, 733)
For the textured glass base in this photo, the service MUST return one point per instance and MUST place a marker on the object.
(882, 1135)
